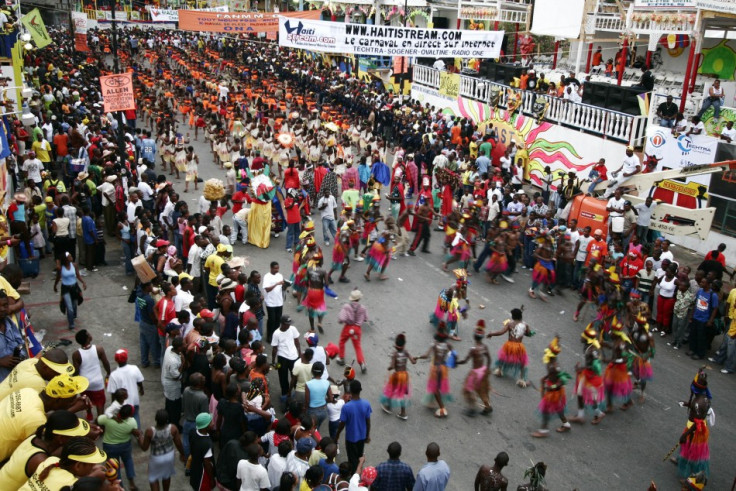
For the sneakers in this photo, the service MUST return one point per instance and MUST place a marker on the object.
(83, 272)
(726, 371)
(327, 243)
(290, 250)
(94, 270)
(510, 280)
(363, 368)
(340, 362)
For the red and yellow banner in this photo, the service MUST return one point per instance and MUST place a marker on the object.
(238, 22)
(117, 92)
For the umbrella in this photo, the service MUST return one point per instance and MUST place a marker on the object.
(286, 139)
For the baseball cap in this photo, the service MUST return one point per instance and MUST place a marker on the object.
(221, 248)
(162, 243)
(203, 420)
(368, 475)
(121, 355)
(185, 276)
(598, 232)
(206, 314)
(286, 319)
(305, 445)
(312, 338)
(49, 199)
(65, 387)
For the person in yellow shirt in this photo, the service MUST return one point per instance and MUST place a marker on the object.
(43, 150)
(22, 412)
(49, 439)
(213, 268)
(34, 373)
(79, 458)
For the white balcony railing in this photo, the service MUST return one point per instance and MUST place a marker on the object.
(594, 120)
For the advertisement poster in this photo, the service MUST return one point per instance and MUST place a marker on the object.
(361, 39)
(80, 31)
(248, 22)
(117, 92)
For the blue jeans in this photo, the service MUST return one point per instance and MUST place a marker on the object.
(577, 274)
(71, 309)
(593, 184)
(707, 102)
(319, 413)
(292, 234)
(178, 243)
(328, 225)
(186, 428)
(128, 253)
(239, 224)
(667, 123)
(333, 426)
(124, 453)
(149, 344)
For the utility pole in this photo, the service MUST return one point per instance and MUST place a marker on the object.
(122, 155)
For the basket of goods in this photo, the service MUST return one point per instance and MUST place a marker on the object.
(214, 190)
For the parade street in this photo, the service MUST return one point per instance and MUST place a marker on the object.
(624, 452)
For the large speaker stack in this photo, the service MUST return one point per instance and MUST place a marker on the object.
(613, 97)
(499, 72)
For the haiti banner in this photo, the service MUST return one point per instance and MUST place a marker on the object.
(360, 39)
(117, 92)
(248, 22)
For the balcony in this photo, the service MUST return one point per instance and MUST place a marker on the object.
(622, 17)
(605, 123)
(495, 11)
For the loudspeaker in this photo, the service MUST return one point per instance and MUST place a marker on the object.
(441, 22)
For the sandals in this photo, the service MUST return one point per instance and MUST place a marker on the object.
(440, 413)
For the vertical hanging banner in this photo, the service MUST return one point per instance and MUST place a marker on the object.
(360, 39)
(34, 23)
(80, 31)
(247, 22)
(117, 92)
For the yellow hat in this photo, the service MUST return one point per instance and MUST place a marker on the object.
(96, 457)
(221, 248)
(65, 387)
(82, 429)
(60, 368)
(309, 227)
(185, 276)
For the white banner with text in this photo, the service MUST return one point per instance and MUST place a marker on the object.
(360, 39)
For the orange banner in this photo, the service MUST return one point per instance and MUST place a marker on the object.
(117, 92)
(247, 22)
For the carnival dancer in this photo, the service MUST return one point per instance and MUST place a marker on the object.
(498, 263)
(552, 387)
(304, 251)
(616, 379)
(589, 383)
(694, 454)
(460, 249)
(478, 380)
(259, 218)
(438, 383)
(512, 359)
(641, 366)
(397, 391)
(447, 311)
(379, 256)
(314, 300)
(543, 274)
(352, 315)
(341, 253)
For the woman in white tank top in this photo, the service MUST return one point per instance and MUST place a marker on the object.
(713, 98)
(86, 361)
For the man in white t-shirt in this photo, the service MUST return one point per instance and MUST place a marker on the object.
(224, 91)
(615, 208)
(630, 166)
(728, 133)
(581, 253)
(327, 206)
(128, 377)
(33, 167)
(286, 349)
(252, 475)
(273, 298)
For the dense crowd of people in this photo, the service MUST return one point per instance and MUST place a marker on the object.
(294, 138)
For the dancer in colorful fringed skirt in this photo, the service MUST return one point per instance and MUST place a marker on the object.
(397, 391)
(512, 360)
(552, 386)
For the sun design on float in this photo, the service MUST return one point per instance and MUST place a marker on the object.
(529, 134)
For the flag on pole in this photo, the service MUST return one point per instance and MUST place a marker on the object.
(34, 23)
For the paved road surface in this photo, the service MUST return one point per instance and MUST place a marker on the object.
(624, 452)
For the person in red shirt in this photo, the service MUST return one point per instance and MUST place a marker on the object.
(597, 247)
(597, 175)
(165, 311)
(238, 199)
(187, 238)
(629, 266)
(293, 206)
(291, 177)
